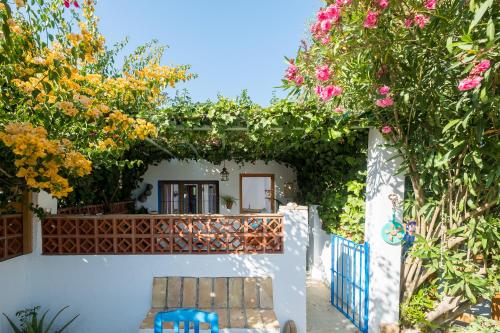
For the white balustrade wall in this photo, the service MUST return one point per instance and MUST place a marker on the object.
(112, 294)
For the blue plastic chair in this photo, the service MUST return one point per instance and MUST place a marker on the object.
(187, 316)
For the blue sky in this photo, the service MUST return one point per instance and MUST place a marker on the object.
(232, 45)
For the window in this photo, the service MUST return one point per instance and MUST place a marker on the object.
(257, 193)
(189, 197)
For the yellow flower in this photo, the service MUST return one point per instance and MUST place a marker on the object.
(68, 108)
(20, 3)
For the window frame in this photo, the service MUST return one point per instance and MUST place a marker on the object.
(273, 189)
(180, 184)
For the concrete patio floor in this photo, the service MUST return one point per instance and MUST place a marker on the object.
(322, 317)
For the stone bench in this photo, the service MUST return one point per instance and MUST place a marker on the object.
(244, 304)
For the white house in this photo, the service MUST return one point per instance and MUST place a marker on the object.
(196, 187)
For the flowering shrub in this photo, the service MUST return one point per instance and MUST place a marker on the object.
(425, 72)
(62, 105)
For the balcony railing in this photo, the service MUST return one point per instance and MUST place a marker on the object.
(162, 234)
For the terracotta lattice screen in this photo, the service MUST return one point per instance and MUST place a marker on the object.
(162, 234)
(11, 236)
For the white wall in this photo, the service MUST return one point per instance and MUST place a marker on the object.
(321, 252)
(203, 170)
(15, 289)
(17, 274)
(385, 259)
(113, 293)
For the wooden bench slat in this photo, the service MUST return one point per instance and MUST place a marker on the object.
(174, 292)
(235, 292)
(250, 293)
(159, 293)
(269, 319)
(205, 293)
(220, 290)
(254, 319)
(189, 293)
(266, 293)
(237, 318)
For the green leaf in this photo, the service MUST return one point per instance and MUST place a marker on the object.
(469, 294)
(451, 124)
(490, 30)
(449, 44)
(480, 13)
(12, 325)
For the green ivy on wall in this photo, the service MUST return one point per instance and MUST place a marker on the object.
(330, 164)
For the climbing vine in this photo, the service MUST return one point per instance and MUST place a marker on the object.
(330, 163)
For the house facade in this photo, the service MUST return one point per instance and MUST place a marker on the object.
(197, 187)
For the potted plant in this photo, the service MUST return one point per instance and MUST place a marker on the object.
(228, 200)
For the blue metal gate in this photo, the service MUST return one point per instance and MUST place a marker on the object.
(350, 280)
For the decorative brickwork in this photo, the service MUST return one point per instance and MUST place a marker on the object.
(11, 236)
(162, 234)
(123, 207)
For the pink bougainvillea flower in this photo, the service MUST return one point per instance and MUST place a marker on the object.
(325, 40)
(371, 20)
(291, 71)
(316, 28)
(343, 2)
(384, 90)
(339, 109)
(322, 15)
(384, 102)
(430, 4)
(336, 90)
(333, 12)
(386, 129)
(469, 83)
(67, 4)
(383, 4)
(299, 80)
(421, 20)
(408, 22)
(326, 93)
(480, 68)
(326, 25)
(323, 73)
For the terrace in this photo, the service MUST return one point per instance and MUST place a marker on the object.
(366, 200)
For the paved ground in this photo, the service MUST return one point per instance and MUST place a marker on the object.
(322, 317)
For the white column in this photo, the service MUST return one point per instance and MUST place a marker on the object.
(385, 259)
(290, 297)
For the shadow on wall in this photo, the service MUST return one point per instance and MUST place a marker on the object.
(380, 161)
(380, 305)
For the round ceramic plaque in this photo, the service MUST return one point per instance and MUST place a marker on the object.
(393, 233)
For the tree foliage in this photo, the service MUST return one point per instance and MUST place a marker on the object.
(426, 74)
(62, 106)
